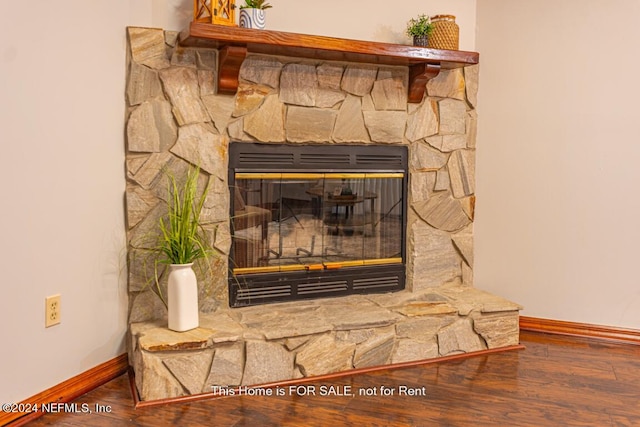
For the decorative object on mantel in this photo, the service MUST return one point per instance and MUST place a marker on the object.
(420, 28)
(223, 13)
(182, 242)
(445, 32)
(252, 14)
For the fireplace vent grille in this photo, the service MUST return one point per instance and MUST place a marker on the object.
(375, 282)
(270, 292)
(273, 287)
(379, 160)
(269, 157)
(315, 288)
(325, 159)
(246, 159)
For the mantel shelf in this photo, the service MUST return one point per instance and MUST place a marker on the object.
(235, 43)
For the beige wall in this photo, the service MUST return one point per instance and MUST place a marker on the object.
(557, 225)
(378, 20)
(61, 126)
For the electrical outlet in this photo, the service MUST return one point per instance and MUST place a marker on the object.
(52, 310)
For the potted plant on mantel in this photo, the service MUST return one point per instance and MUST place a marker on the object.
(182, 241)
(420, 28)
(252, 14)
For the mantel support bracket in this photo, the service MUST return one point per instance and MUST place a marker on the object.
(419, 75)
(231, 59)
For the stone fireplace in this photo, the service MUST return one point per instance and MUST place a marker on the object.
(176, 118)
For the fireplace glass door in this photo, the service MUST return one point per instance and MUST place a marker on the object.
(316, 221)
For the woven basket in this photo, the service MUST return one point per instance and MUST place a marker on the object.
(445, 32)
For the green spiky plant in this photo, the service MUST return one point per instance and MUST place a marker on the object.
(420, 26)
(182, 239)
(255, 4)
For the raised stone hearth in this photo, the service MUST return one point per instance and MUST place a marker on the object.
(176, 118)
(262, 345)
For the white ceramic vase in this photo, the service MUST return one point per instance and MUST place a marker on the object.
(182, 290)
(252, 18)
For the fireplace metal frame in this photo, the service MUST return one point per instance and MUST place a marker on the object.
(271, 287)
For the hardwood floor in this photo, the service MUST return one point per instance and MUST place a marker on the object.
(554, 381)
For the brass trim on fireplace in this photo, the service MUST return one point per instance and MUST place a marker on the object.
(380, 261)
(339, 264)
(291, 267)
(310, 176)
(254, 270)
(322, 266)
(278, 175)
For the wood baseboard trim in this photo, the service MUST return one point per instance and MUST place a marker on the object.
(585, 330)
(203, 396)
(69, 390)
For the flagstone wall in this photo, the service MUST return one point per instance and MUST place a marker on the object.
(176, 118)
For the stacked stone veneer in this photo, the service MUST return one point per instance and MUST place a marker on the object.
(176, 119)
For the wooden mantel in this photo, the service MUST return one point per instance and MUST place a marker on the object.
(234, 43)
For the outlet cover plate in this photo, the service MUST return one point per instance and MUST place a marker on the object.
(52, 310)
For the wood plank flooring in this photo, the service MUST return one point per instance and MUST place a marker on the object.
(554, 381)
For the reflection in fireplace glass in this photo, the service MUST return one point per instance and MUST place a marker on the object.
(316, 221)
